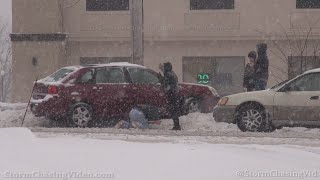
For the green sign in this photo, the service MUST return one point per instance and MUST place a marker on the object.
(203, 78)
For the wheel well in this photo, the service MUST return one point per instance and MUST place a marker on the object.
(73, 102)
(247, 103)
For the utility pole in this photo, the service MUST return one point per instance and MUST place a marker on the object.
(137, 35)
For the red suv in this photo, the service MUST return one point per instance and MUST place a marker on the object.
(82, 94)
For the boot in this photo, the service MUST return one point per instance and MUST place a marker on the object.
(176, 127)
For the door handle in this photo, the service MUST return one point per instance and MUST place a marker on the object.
(314, 98)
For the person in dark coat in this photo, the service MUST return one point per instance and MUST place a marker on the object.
(262, 67)
(170, 83)
(249, 73)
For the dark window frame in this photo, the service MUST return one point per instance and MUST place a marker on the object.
(307, 4)
(291, 84)
(90, 81)
(124, 79)
(142, 69)
(212, 4)
(107, 5)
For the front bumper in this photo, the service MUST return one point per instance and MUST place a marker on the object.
(224, 114)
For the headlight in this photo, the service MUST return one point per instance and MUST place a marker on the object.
(223, 101)
(214, 92)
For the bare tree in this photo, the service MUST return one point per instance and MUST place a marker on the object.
(5, 61)
(296, 46)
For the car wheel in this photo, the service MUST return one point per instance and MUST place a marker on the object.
(81, 115)
(251, 117)
(193, 106)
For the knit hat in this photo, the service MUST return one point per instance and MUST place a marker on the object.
(252, 54)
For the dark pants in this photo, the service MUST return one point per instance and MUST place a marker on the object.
(261, 85)
(174, 108)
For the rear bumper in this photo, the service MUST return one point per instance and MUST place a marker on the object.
(224, 114)
(53, 107)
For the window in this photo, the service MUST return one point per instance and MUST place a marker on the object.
(142, 76)
(109, 75)
(107, 5)
(309, 82)
(225, 74)
(211, 4)
(59, 75)
(87, 77)
(223, 79)
(308, 4)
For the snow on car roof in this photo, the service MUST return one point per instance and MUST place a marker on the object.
(126, 64)
(312, 71)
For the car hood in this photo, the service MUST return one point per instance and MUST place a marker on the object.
(264, 97)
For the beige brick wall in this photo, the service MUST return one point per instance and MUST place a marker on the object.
(24, 74)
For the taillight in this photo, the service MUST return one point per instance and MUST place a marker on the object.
(52, 89)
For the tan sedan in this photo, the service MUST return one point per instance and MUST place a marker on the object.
(294, 102)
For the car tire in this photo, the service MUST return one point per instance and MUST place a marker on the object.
(251, 117)
(81, 115)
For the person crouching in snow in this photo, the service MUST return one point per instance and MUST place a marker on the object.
(139, 118)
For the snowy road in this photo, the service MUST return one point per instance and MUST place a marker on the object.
(203, 150)
(70, 156)
(160, 137)
(200, 127)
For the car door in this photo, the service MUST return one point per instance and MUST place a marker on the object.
(85, 90)
(146, 89)
(299, 100)
(111, 89)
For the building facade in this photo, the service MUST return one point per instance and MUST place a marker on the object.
(206, 40)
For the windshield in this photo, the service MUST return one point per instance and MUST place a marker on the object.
(59, 75)
(283, 82)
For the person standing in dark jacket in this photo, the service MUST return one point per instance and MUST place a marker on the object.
(249, 72)
(262, 67)
(170, 83)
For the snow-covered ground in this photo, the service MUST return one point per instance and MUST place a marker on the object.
(23, 154)
(203, 150)
(197, 124)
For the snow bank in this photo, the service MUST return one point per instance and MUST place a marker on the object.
(11, 115)
(27, 154)
(16, 106)
(198, 122)
(15, 134)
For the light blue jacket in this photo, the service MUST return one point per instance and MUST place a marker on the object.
(138, 119)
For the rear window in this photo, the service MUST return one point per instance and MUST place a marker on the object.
(59, 75)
